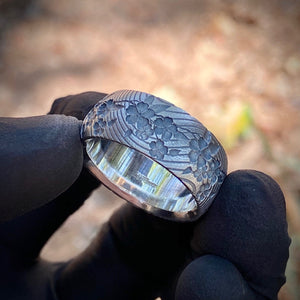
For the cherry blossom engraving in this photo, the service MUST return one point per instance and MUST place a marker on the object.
(158, 149)
(165, 127)
(164, 132)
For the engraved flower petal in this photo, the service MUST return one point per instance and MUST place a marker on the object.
(144, 110)
(214, 179)
(163, 122)
(210, 174)
(101, 110)
(149, 99)
(198, 175)
(167, 135)
(131, 110)
(99, 123)
(207, 191)
(202, 144)
(144, 132)
(149, 113)
(158, 130)
(206, 154)
(166, 127)
(214, 149)
(214, 165)
(98, 127)
(204, 188)
(207, 136)
(106, 107)
(172, 128)
(168, 121)
(131, 119)
(194, 145)
(158, 149)
(201, 162)
(138, 112)
(200, 196)
(188, 170)
(193, 155)
(142, 135)
(159, 122)
(198, 144)
(110, 103)
(142, 107)
(141, 122)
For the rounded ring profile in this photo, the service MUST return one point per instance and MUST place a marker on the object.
(153, 154)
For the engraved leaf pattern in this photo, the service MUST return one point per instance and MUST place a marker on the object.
(159, 107)
(174, 152)
(188, 170)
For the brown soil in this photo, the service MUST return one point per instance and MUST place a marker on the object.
(211, 57)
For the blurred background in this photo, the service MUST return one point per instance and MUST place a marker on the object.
(234, 65)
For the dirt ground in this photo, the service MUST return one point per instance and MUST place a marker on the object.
(234, 65)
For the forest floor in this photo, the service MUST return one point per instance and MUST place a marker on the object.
(234, 65)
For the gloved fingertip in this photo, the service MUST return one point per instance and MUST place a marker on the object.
(40, 157)
(76, 105)
(211, 277)
(58, 105)
(247, 225)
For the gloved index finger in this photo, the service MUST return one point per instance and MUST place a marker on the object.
(40, 157)
(76, 105)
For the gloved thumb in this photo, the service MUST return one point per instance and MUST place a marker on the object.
(40, 158)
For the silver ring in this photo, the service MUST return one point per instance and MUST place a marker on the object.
(153, 154)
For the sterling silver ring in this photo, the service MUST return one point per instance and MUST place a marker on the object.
(153, 154)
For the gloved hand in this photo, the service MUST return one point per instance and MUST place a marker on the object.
(237, 250)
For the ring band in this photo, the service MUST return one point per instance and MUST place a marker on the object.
(153, 154)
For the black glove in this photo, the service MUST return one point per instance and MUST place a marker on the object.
(246, 229)
(135, 255)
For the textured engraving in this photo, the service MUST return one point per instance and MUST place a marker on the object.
(167, 134)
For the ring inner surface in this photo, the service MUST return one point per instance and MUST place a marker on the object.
(136, 176)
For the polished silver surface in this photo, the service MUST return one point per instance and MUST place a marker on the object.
(129, 172)
(154, 154)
